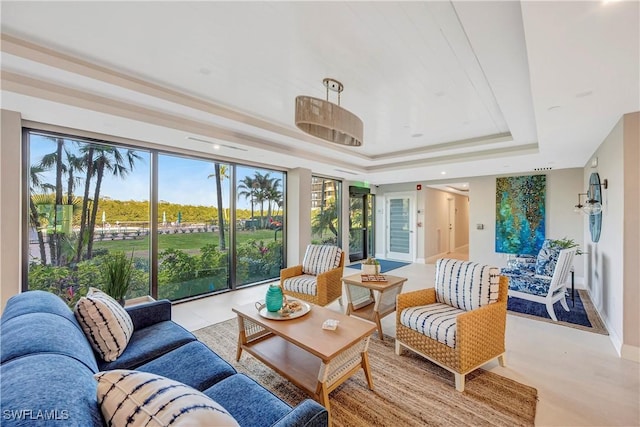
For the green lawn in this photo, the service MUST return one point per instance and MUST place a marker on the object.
(184, 241)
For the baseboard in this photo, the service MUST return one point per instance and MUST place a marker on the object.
(613, 336)
(630, 352)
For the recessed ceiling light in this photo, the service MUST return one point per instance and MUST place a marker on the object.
(216, 146)
(345, 171)
(584, 94)
(443, 173)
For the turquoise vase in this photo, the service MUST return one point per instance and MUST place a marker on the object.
(274, 298)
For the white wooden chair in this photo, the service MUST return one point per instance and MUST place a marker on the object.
(543, 289)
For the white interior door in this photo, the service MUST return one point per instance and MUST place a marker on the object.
(400, 222)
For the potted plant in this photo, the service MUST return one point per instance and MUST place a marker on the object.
(566, 243)
(116, 274)
(370, 266)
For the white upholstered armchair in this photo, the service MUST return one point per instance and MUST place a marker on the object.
(319, 279)
(459, 324)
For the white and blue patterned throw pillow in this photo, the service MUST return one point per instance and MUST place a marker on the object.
(319, 259)
(106, 324)
(466, 285)
(132, 398)
(547, 259)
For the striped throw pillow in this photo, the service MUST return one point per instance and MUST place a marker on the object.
(319, 259)
(132, 398)
(466, 285)
(106, 324)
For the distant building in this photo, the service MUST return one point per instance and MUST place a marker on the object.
(320, 185)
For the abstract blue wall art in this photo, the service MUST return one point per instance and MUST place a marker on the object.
(520, 214)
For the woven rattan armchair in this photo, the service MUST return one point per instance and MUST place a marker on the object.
(319, 279)
(479, 335)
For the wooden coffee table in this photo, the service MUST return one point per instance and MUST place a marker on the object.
(312, 358)
(370, 307)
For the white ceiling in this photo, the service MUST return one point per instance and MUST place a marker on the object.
(465, 88)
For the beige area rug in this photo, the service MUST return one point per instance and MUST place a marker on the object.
(408, 390)
(597, 325)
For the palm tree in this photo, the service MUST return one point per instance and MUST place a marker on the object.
(54, 160)
(273, 195)
(221, 172)
(74, 164)
(108, 159)
(248, 189)
(266, 184)
(87, 151)
(325, 219)
(36, 184)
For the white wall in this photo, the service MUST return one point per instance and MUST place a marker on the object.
(462, 220)
(631, 245)
(298, 214)
(436, 222)
(10, 205)
(612, 264)
(563, 187)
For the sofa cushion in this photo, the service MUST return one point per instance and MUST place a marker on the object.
(48, 390)
(193, 364)
(319, 259)
(45, 333)
(37, 302)
(547, 259)
(257, 406)
(532, 285)
(466, 285)
(106, 324)
(437, 321)
(149, 343)
(140, 398)
(305, 284)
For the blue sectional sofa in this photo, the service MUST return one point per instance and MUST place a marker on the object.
(47, 368)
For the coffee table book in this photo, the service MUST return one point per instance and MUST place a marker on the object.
(373, 278)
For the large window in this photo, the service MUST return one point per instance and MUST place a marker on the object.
(88, 201)
(325, 211)
(259, 224)
(193, 214)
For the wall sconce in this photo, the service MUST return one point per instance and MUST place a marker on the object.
(593, 204)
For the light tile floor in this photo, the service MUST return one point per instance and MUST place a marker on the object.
(580, 379)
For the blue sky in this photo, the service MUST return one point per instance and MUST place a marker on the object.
(180, 180)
